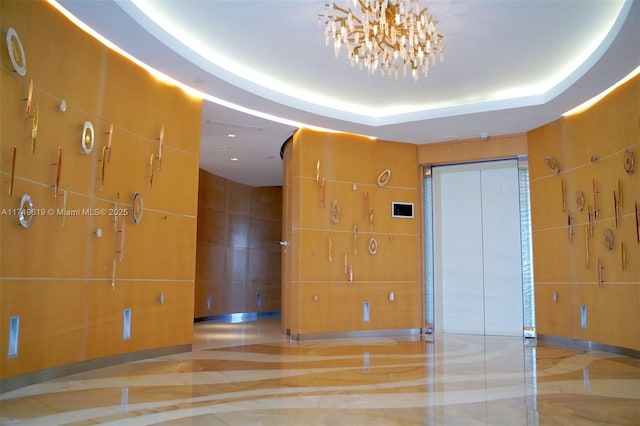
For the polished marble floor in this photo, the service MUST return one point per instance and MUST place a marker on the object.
(249, 374)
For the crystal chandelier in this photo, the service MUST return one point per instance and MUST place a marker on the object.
(384, 34)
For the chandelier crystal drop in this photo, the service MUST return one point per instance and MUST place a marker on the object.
(385, 35)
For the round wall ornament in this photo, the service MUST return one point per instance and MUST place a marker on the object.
(628, 162)
(552, 164)
(579, 201)
(26, 212)
(384, 178)
(335, 212)
(88, 137)
(373, 246)
(16, 52)
(607, 239)
(138, 207)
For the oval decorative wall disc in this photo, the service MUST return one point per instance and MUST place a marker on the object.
(16, 52)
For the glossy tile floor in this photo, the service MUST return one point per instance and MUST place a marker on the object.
(248, 374)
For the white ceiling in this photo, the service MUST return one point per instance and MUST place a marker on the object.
(509, 66)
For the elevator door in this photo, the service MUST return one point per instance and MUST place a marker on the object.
(478, 260)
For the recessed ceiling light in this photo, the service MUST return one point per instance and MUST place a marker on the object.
(231, 135)
(234, 158)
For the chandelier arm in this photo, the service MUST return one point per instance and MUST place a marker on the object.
(363, 6)
(355, 18)
(331, 17)
(339, 9)
(347, 11)
(342, 19)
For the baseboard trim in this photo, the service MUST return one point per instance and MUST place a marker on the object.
(587, 344)
(357, 334)
(239, 317)
(23, 380)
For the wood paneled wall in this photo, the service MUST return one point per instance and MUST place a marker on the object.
(58, 275)
(322, 255)
(589, 149)
(472, 150)
(238, 254)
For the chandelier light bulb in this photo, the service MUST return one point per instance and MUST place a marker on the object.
(384, 34)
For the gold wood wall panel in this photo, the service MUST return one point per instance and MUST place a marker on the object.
(326, 292)
(462, 151)
(598, 270)
(58, 275)
(238, 259)
(330, 306)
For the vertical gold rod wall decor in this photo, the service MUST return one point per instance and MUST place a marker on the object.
(346, 262)
(623, 256)
(56, 185)
(108, 157)
(330, 249)
(595, 198)
(350, 274)
(637, 223)
(160, 147)
(116, 217)
(65, 205)
(151, 170)
(13, 169)
(29, 99)
(355, 240)
(324, 192)
(121, 249)
(103, 160)
(320, 184)
(616, 209)
(600, 273)
(587, 256)
(570, 227)
(113, 273)
(34, 129)
(590, 218)
(620, 197)
(563, 188)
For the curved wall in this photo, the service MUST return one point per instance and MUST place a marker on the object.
(573, 271)
(68, 286)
